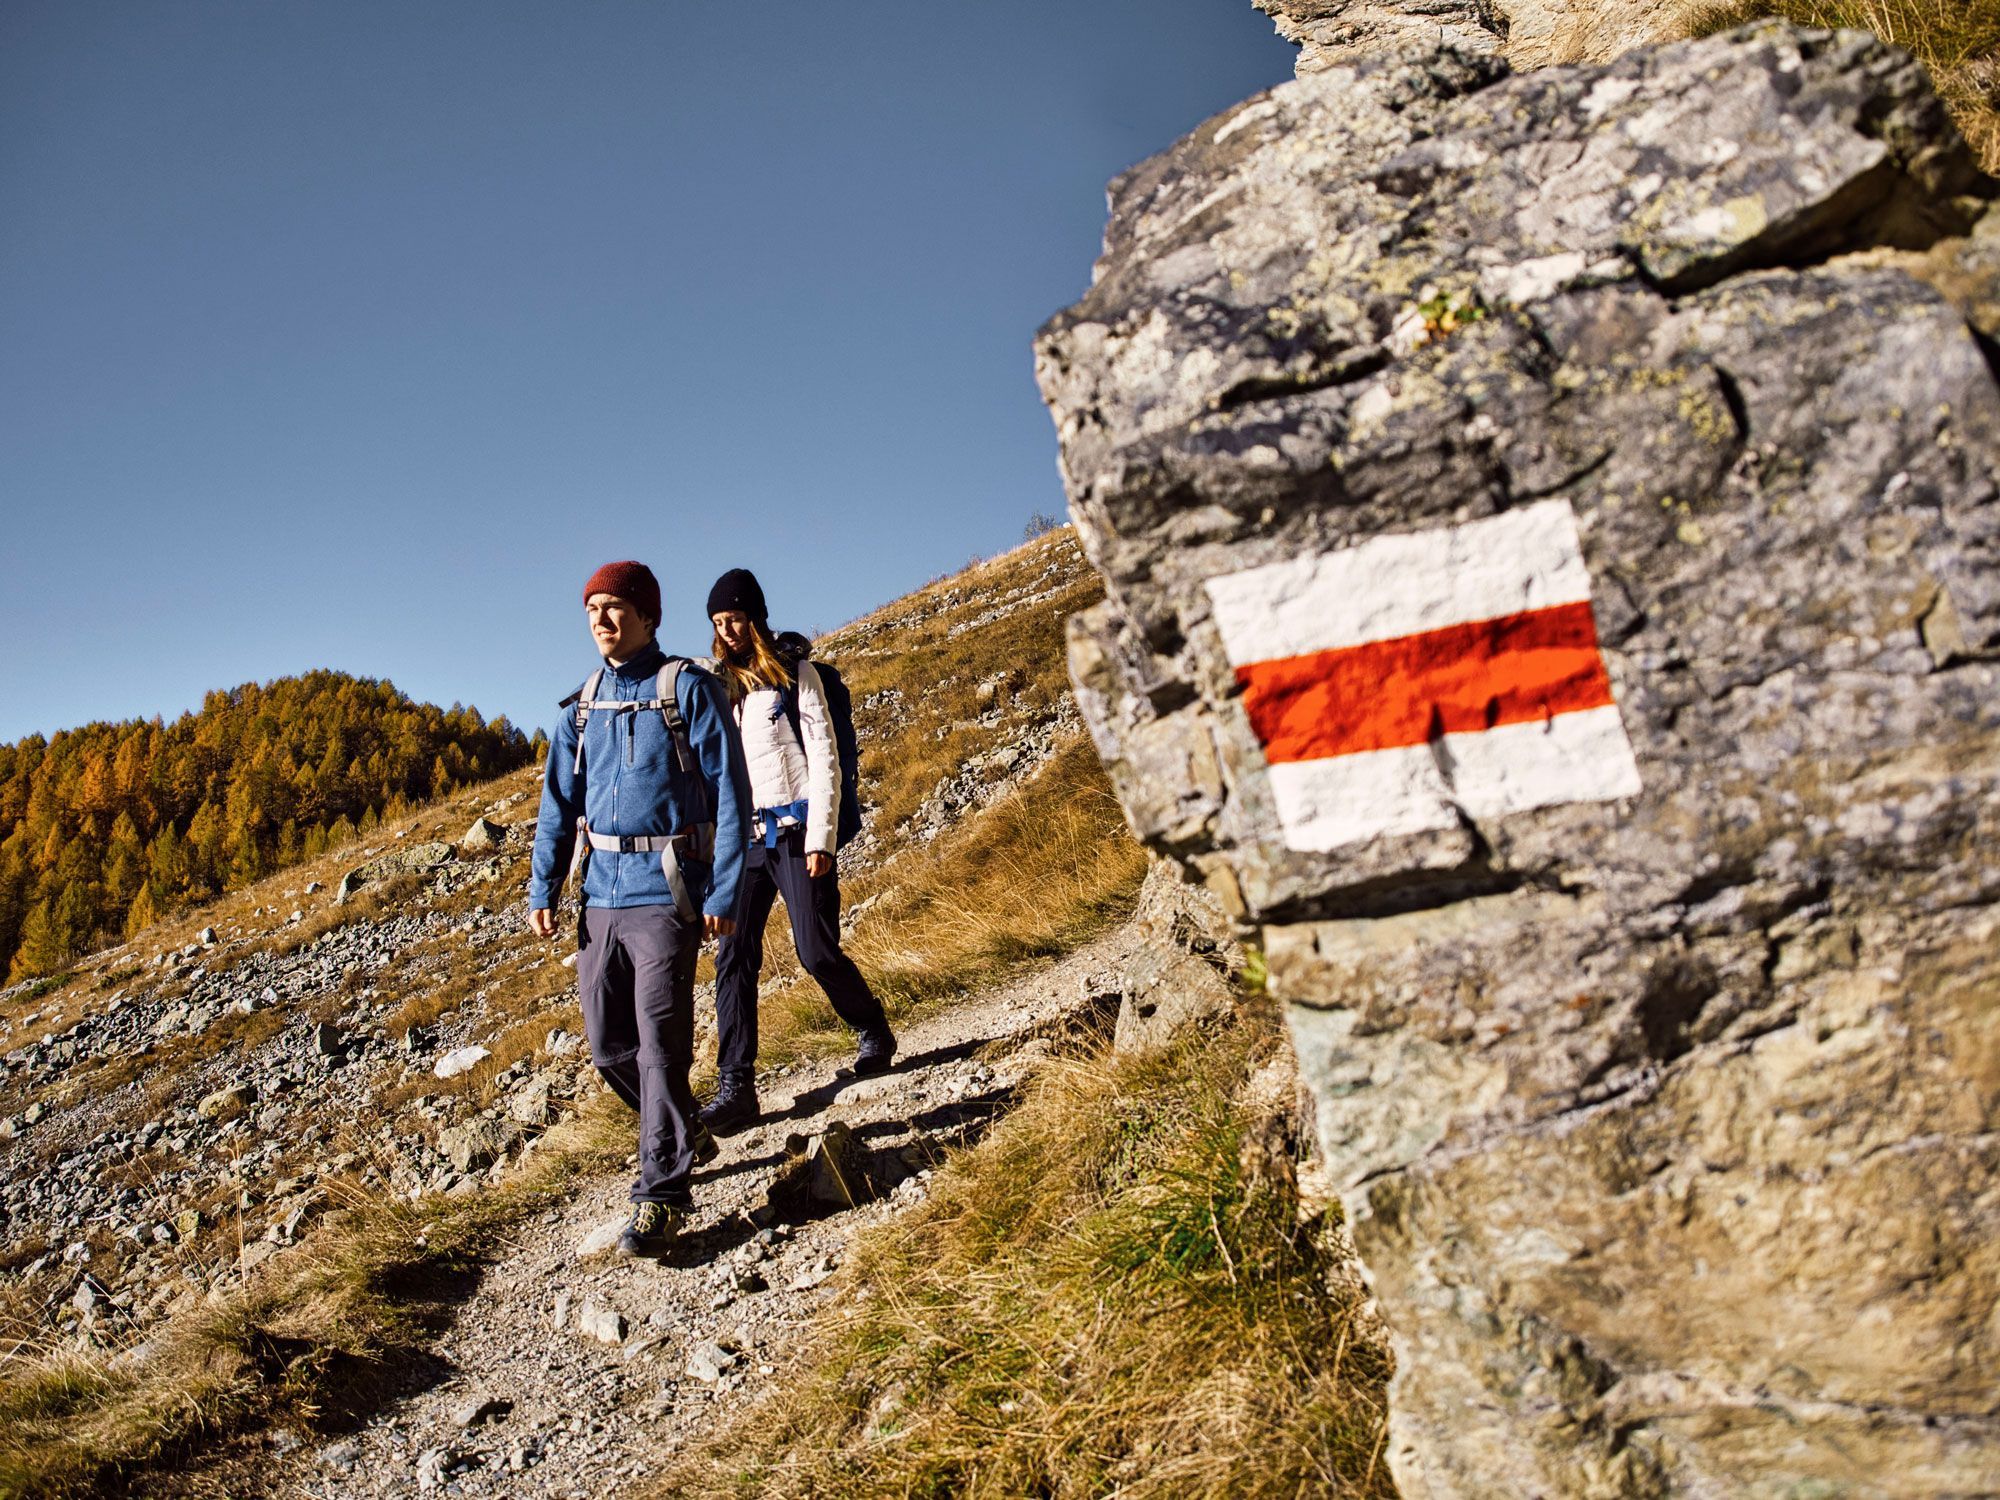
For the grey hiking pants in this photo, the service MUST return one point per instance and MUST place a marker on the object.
(635, 972)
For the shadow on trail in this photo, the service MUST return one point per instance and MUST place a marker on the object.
(812, 1101)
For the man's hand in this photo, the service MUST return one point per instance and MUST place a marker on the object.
(818, 864)
(718, 927)
(542, 923)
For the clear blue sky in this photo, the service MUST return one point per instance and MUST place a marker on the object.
(354, 333)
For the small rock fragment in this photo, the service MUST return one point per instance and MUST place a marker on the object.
(602, 1323)
(479, 1409)
(460, 1060)
(708, 1362)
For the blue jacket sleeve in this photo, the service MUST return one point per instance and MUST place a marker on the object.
(555, 828)
(719, 748)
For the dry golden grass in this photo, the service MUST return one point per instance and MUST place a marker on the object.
(1040, 871)
(925, 648)
(1113, 1293)
(1957, 40)
(344, 1309)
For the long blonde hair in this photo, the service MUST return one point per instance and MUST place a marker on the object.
(764, 669)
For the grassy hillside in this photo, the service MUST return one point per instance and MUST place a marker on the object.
(182, 1261)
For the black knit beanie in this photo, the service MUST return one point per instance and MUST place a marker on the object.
(737, 589)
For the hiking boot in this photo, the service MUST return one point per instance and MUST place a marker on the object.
(733, 1107)
(706, 1147)
(652, 1231)
(878, 1051)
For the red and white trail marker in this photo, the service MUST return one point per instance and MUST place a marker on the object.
(1396, 682)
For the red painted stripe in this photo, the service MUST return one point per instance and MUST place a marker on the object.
(1386, 694)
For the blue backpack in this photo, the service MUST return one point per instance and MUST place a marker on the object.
(795, 649)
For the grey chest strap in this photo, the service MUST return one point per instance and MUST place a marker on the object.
(665, 699)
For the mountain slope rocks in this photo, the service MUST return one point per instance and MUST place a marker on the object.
(1637, 933)
(1528, 33)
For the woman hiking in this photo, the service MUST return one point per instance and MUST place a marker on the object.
(788, 743)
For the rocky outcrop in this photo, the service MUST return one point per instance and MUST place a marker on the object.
(1186, 965)
(1331, 32)
(1529, 33)
(1550, 527)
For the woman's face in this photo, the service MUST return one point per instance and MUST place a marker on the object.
(732, 628)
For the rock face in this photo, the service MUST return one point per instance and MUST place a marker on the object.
(1550, 538)
(1529, 33)
(1186, 968)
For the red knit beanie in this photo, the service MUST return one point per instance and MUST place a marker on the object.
(631, 581)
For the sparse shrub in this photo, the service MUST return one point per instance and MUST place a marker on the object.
(1041, 523)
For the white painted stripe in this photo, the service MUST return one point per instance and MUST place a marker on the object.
(1349, 799)
(1392, 586)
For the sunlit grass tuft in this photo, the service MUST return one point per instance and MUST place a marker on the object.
(1115, 1292)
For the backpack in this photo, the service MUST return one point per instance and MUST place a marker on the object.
(796, 649)
(697, 842)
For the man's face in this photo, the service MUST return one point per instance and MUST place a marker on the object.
(732, 628)
(620, 631)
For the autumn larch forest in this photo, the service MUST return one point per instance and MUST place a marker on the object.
(106, 828)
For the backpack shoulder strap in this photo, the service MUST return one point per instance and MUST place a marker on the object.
(667, 690)
(789, 696)
(582, 698)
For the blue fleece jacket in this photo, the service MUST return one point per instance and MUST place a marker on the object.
(631, 784)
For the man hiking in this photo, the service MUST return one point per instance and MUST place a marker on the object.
(646, 787)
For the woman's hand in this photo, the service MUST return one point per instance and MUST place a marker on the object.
(818, 864)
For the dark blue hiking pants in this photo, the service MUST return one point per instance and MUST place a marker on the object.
(813, 905)
(635, 972)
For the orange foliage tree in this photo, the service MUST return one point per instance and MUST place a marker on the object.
(103, 829)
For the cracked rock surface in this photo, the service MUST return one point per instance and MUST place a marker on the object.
(1666, 1122)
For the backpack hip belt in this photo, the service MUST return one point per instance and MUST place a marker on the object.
(696, 843)
(768, 817)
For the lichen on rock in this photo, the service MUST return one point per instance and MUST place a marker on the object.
(1549, 525)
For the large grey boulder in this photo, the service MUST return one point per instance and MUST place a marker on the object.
(413, 859)
(1550, 533)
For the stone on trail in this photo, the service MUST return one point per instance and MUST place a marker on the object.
(708, 1362)
(826, 1171)
(477, 1409)
(483, 836)
(601, 1239)
(601, 1323)
(1552, 534)
(460, 1060)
